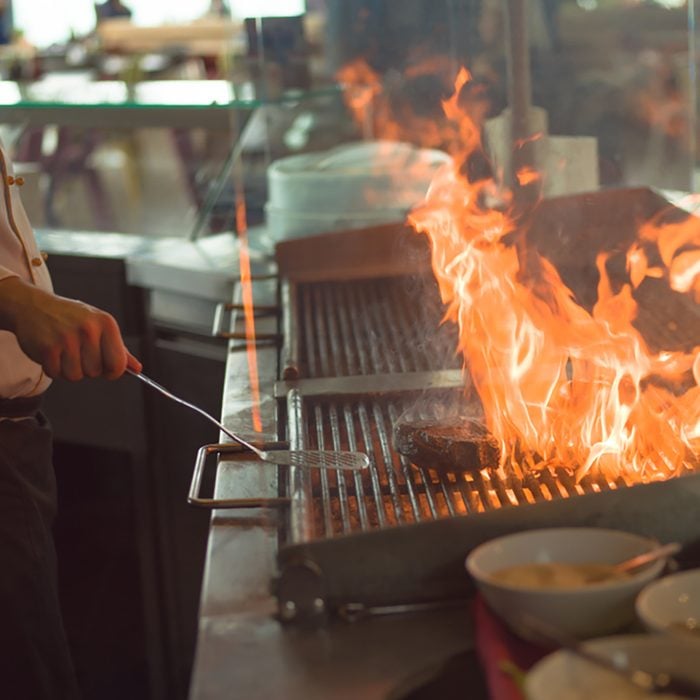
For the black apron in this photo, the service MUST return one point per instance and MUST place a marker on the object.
(35, 663)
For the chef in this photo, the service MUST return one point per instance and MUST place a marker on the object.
(42, 336)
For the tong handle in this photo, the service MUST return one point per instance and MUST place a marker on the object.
(152, 383)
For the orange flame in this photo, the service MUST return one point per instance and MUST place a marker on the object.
(559, 385)
(526, 176)
(248, 311)
(678, 244)
(363, 85)
(391, 114)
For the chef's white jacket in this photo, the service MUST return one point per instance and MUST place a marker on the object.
(19, 257)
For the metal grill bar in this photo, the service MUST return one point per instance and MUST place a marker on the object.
(371, 327)
(387, 472)
(352, 349)
(398, 338)
(300, 488)
(310, 360)
(289, 299)
(338, 359)
(406, 320)
(373, 332)
(327, 358)
(359, 489)
(358, 359)
(343, 500)
(406, 470)
(323, 475)
(365, 428)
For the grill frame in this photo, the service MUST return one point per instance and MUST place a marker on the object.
(363, 362)
(392, 492)
(424, 562)
(371, 561)
(407, 563)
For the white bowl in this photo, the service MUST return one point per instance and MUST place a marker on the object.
(353, 178)
(586, 611)
(672, 604)
(563, 676)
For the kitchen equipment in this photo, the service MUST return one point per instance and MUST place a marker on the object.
(587, 610)
(363, 347)
(662, 552)
(362, 344)
(624, 667)
(351, 186)
(320, 459)
(672, 604)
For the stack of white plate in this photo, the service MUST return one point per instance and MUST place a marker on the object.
(350, 186)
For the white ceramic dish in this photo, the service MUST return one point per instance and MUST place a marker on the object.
(593, 609)
(353, 178)
(563, 676)
(672, 604)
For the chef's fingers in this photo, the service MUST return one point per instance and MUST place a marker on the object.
(51, 361)
(114, 354)
(71, 365)
(91, 353)
(133, 363)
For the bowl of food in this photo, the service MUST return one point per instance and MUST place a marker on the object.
(672, 604)
(565, 577)
(566, 676)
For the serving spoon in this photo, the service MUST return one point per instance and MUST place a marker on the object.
(319, 459)
(639, 560)
(660, 552)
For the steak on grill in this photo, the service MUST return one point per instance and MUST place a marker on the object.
(456, 446)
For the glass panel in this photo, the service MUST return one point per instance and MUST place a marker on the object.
(610, 83)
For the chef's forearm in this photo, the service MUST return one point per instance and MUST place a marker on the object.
(16, 298)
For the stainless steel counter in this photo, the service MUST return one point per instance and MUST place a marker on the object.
(242, 650)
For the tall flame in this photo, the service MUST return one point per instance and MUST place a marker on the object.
(246, 281)
(679, 247)
(558, 383)
(395, 114)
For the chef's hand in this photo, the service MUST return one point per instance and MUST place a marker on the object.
(68, 338)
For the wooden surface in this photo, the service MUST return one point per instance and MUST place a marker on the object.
(202, 37)
(378, 251)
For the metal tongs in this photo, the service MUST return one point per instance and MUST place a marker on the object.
(319, 459)
(647, 681)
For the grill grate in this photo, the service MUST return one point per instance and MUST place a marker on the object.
(395, 492)
(373, 326)
(391, 326)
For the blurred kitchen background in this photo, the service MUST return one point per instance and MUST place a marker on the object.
(138, 127)
(617, 71)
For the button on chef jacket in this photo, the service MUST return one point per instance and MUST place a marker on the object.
(19, 257)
